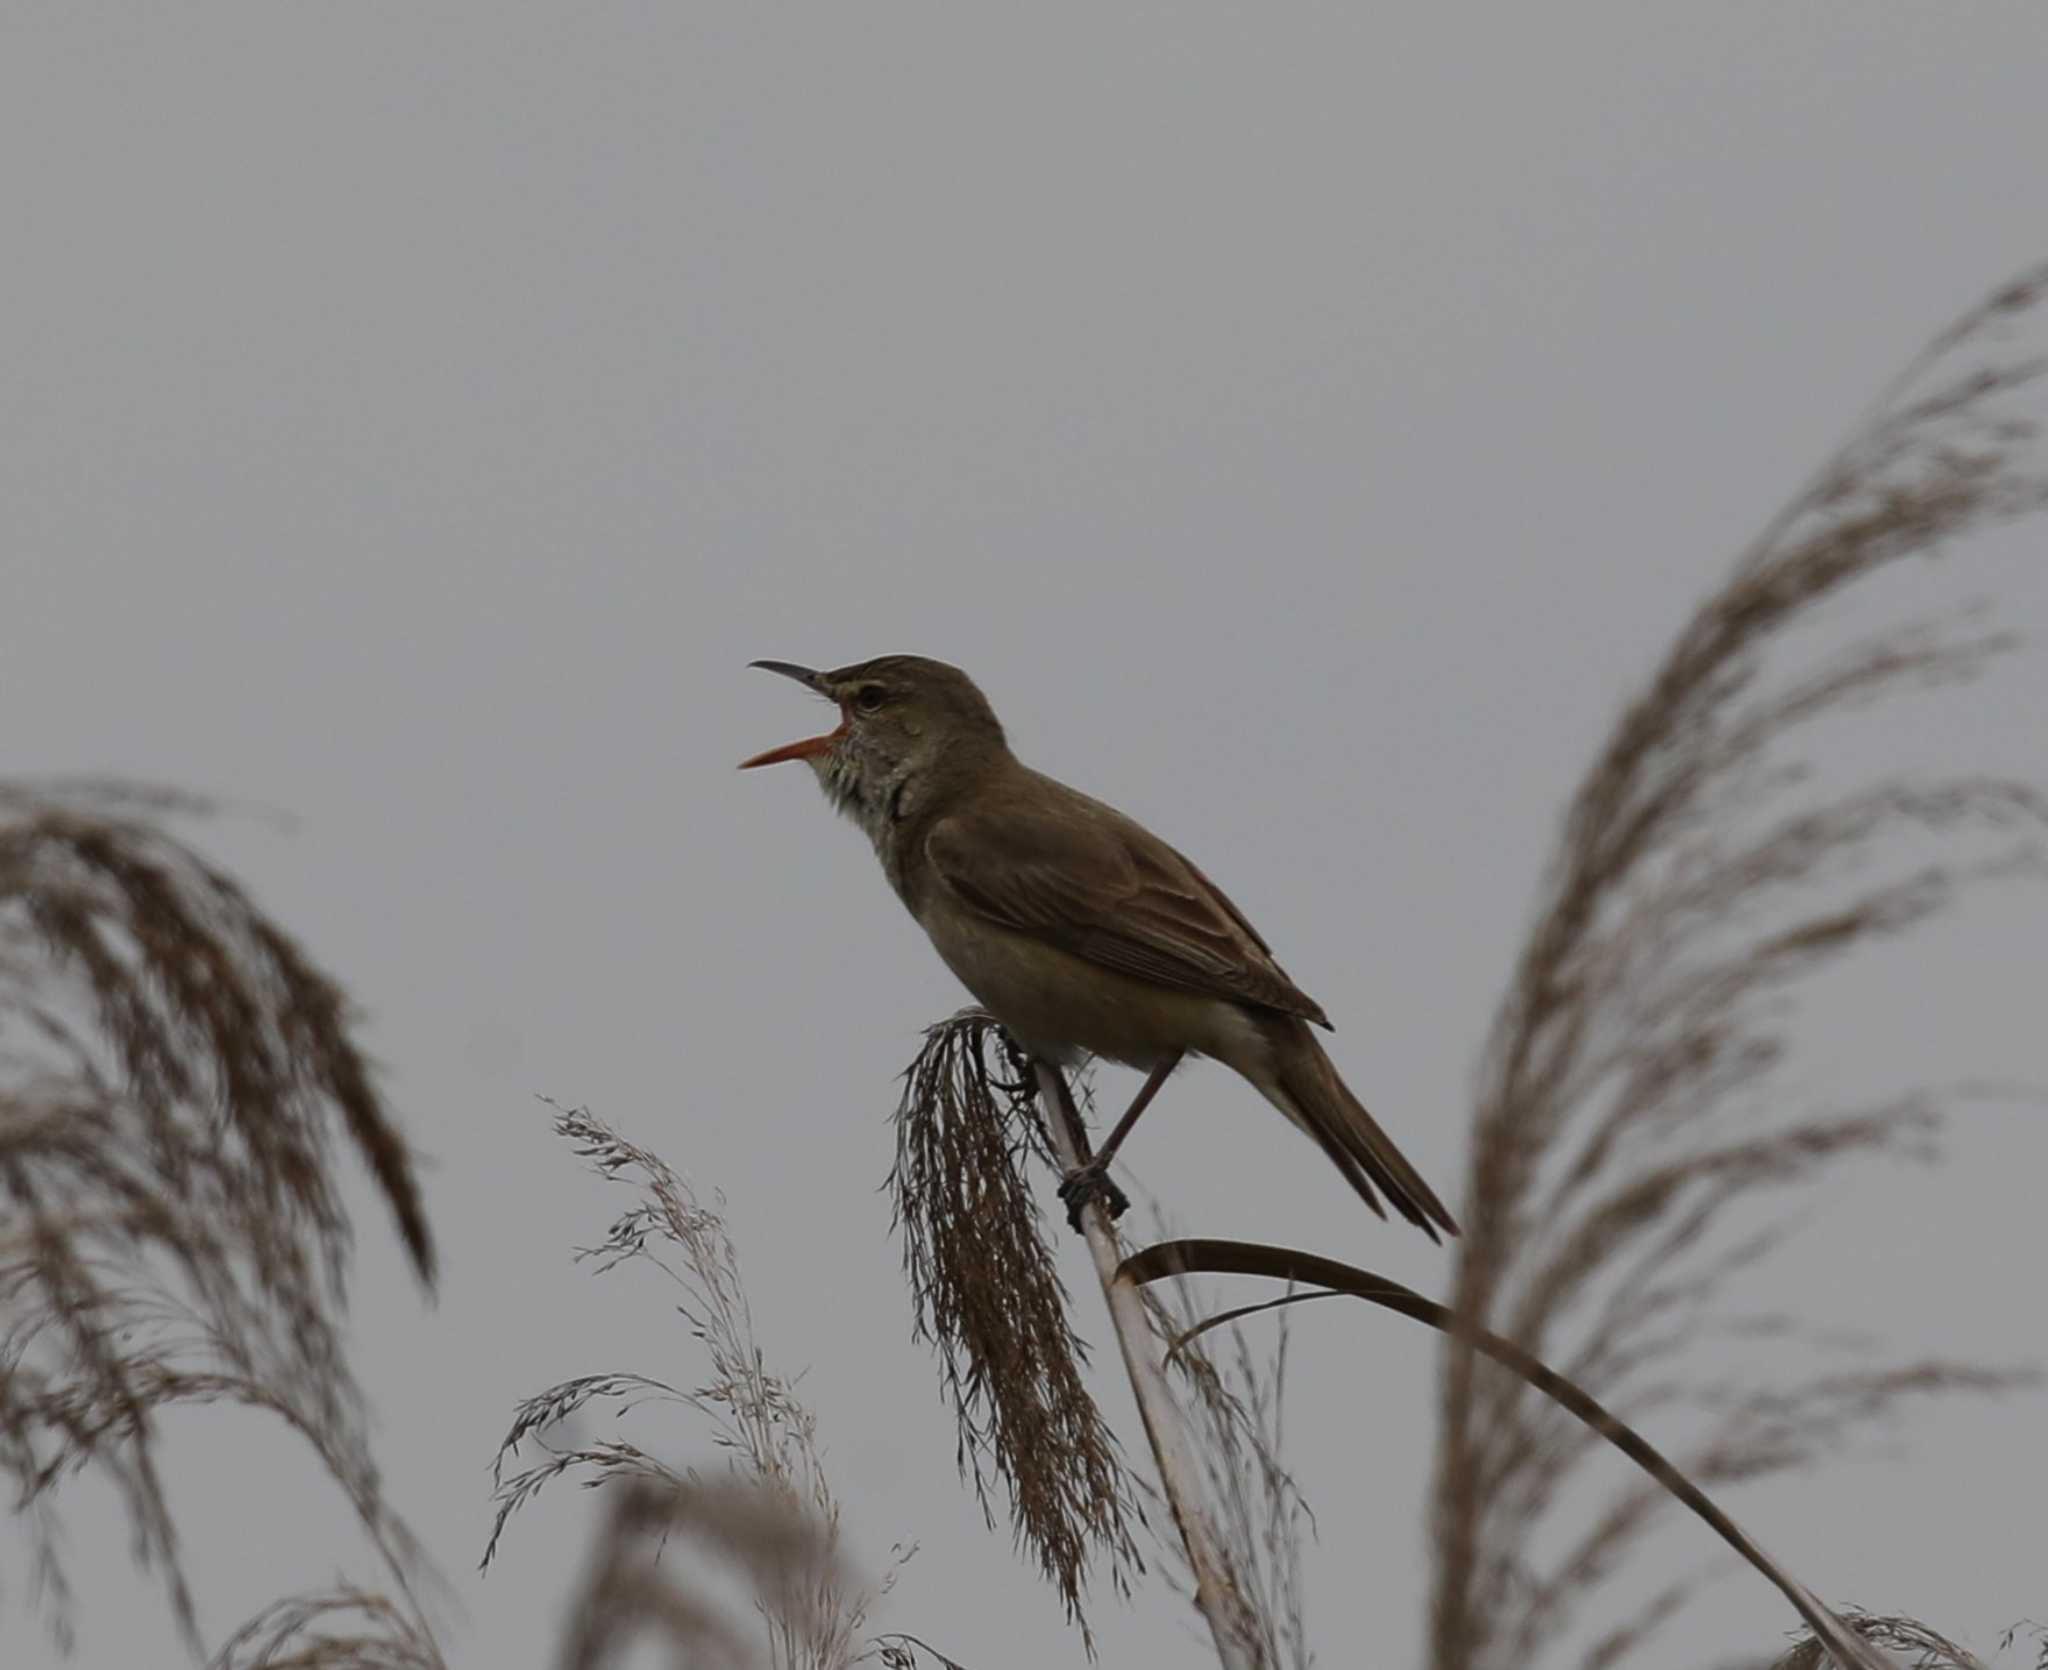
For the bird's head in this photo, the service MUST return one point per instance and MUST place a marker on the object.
(907, 728)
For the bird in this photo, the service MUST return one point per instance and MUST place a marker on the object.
(1079, 930)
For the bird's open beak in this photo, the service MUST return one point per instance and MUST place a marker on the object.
(810, 745)
(789, 669)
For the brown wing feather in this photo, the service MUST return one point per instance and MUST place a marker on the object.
(1077, 874)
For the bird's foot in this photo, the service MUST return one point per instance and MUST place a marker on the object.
(1092, 1182)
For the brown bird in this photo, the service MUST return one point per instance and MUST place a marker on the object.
(1079, 930)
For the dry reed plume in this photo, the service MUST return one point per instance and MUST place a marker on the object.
(1931, 1650)
(985, 1291)
(784, 1556)
(344, 1628)
(986, 1294)
(770, 1515)
(1624, 1111)
(174, 1073)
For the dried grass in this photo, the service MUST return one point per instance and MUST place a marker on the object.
(771, 1515)
(784, 1556)
(1237, 1404)
(1622, 1132)
(986, 1294)
(897, 1651)
(344, 1628)
(173, 1075)
(1931, 1649)
(2036, 1633)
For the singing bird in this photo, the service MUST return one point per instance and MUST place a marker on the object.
(1077, 928)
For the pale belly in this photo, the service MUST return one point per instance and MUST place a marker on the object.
(1061, 1007)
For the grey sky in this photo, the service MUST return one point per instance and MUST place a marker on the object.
(1307, 422)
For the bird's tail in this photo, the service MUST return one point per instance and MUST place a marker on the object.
(1303, 1083)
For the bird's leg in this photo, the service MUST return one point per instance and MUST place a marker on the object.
(1139, 1103)
(1085, 1182)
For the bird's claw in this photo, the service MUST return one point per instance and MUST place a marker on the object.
(1092, 1182)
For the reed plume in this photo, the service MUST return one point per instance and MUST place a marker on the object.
(175, 1078)
(1632, 1107)
(769, 1514)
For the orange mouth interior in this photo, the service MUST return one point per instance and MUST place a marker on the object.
(808, 748)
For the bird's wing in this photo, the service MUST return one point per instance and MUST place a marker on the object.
(1083, 877)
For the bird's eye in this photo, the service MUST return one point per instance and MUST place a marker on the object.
(869, 697)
